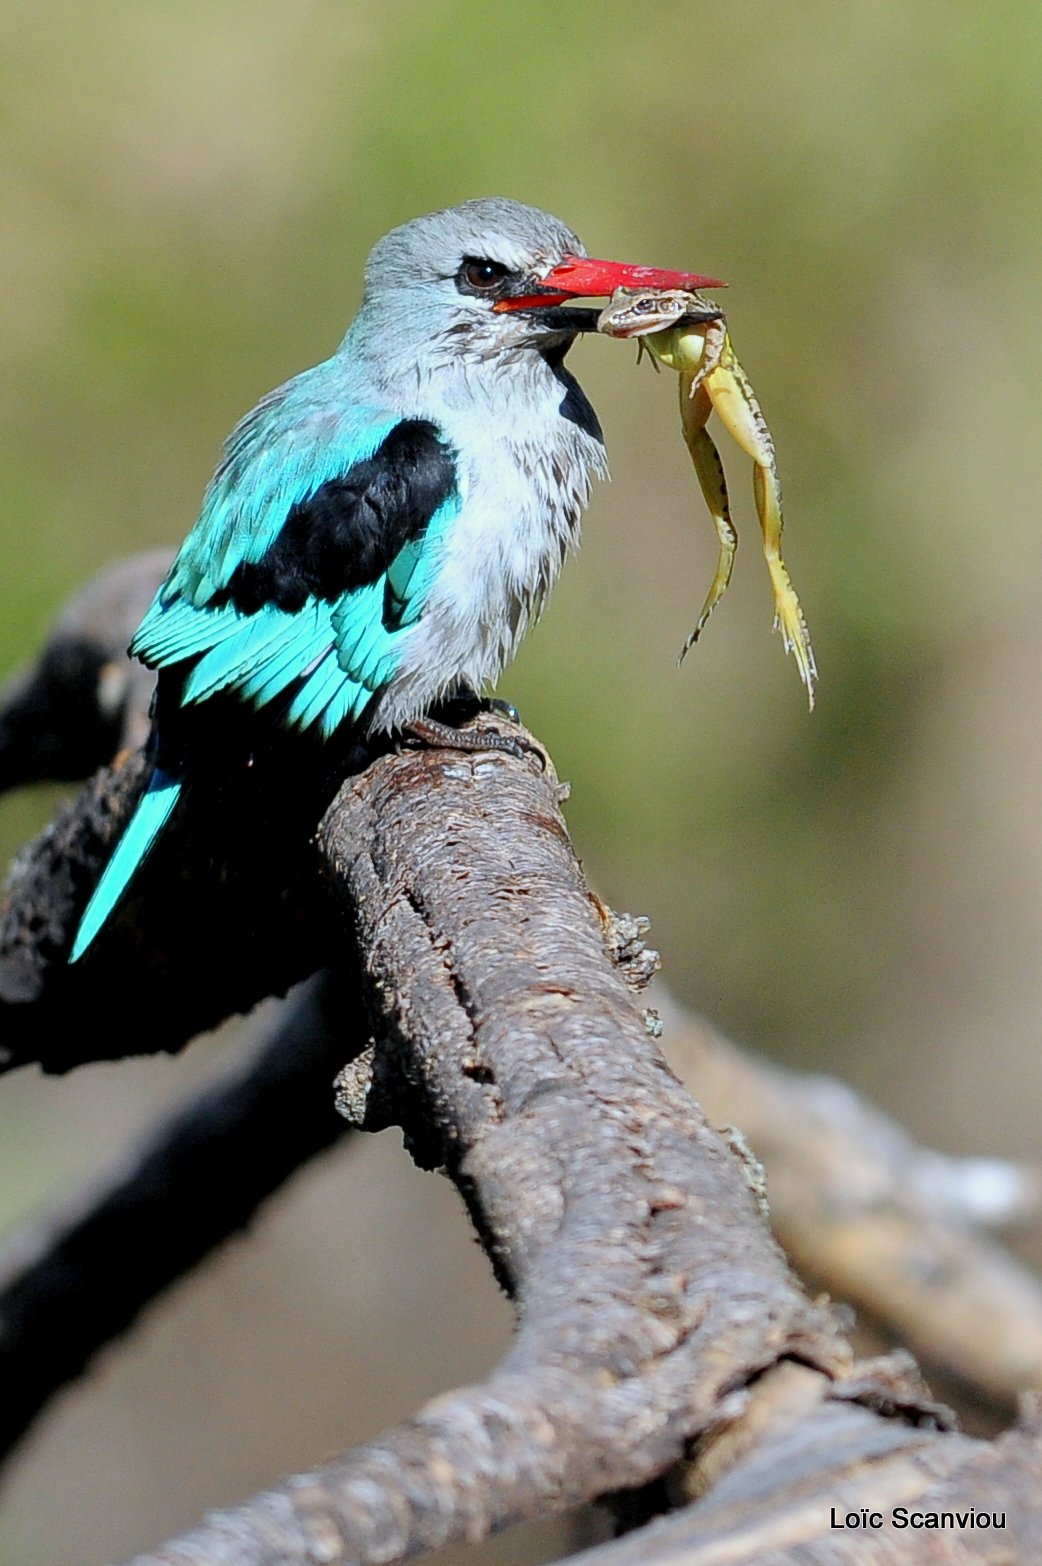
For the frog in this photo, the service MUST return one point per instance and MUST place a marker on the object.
(687, 333)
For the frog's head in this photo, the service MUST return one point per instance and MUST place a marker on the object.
(638, 312)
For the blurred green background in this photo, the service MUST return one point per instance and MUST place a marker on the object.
(189, 192)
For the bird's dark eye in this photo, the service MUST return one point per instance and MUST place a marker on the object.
(482, 276)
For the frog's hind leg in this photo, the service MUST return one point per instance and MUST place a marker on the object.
(788, 616)
(695, 407)
(735, 402)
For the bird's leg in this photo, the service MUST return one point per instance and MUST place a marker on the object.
(465, 703)
(506, 709)
(453, 711)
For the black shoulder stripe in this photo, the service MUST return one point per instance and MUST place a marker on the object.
(348, 532)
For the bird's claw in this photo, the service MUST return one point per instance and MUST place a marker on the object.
(430, 732)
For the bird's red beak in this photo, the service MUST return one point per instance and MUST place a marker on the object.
(579, 277)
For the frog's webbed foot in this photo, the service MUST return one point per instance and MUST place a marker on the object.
(706, 350)
(644, 352)
(788, 615)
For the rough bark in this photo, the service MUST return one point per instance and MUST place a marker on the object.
(656, 1314)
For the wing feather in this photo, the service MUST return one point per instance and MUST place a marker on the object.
(309, 494)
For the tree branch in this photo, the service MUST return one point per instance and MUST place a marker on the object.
(661, 1337)
(259, 928)
(787, 1497)
(860, 1209)
(651, 1298)
(82, 698)
(71, 1283)
(214, 921)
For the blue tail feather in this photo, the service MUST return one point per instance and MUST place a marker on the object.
(147, 822)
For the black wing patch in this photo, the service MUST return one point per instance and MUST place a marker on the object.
(348, 532)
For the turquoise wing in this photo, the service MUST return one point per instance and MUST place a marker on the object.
(329, 651)
(291, 443)
(369, 627)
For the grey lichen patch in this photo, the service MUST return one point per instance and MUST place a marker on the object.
(353, 1085)
(751, 1167)
(624, 936)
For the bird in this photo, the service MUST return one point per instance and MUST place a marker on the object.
(383, 528)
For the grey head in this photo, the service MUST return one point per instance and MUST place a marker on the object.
(443, 291)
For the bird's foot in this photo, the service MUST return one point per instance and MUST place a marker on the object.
(444, 736)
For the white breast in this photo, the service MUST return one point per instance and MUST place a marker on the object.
(525, 475)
